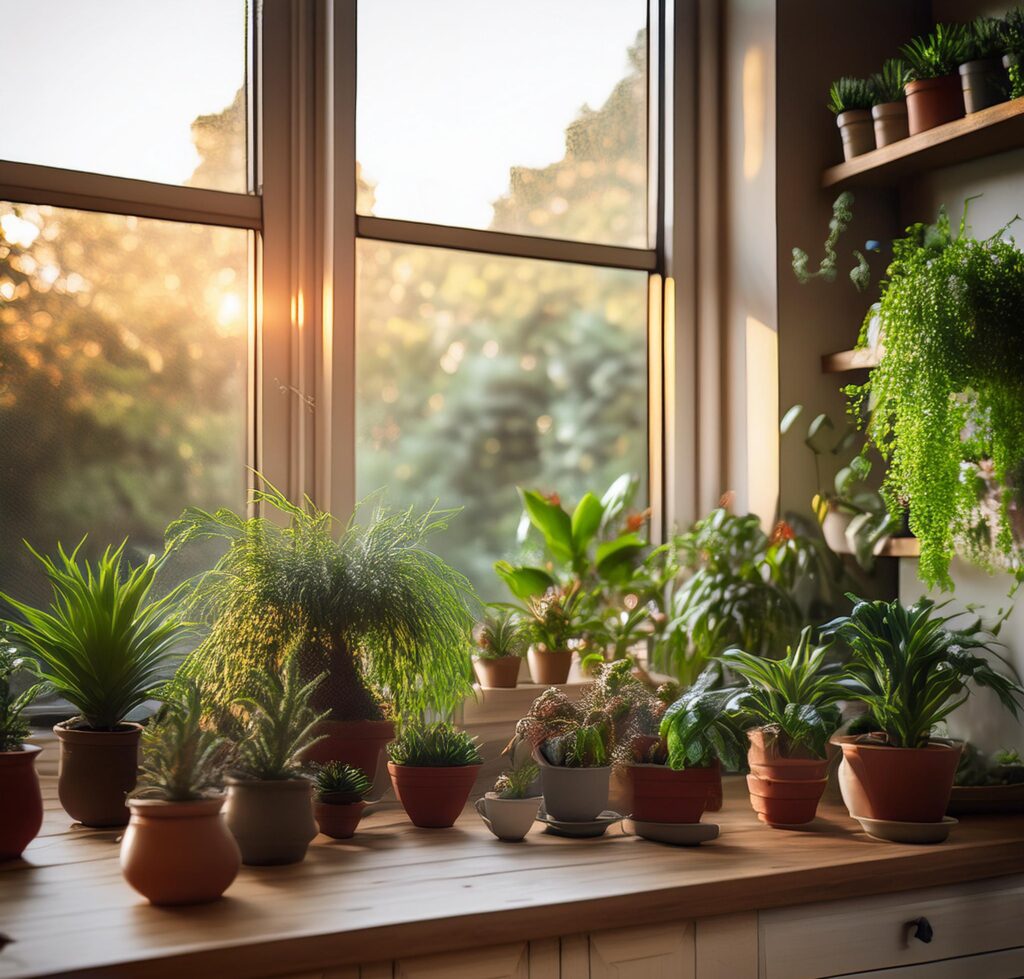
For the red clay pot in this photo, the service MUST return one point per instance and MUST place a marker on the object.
(910, 785)
(549, 667)
(784, 791)
(933, 101)
(433, 797)
(97, 770)
(497, 673)
(356, 743)
(663, 795)
(21, 811)
(338, 821)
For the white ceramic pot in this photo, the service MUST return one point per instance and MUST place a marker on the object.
(575, 795)
(833, 529)
(508, 819)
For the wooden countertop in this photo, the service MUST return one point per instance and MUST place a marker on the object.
(397, 891)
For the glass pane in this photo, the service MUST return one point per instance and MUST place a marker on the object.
(123, 364)
(131, 89)
(528, 117)
(477, 373)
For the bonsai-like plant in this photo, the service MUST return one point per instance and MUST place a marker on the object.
(13, 727)
(887, 85)
(912, 669)
(434, 746)
(698, 728)
(937, 54)
(102, 644)
(850, 94)
(181, 760)
(501, 633)
(386, 619)
(516, 782)
(340, 784)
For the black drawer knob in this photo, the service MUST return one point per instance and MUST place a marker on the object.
(923, 930)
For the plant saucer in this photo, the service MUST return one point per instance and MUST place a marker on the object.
(677, 834)
(588, 829)
(893, 831)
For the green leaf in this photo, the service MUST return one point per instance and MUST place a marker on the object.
(817, 432)
(524, 582)
(618, 497)
(790, 417)
(586, 519)
(616, 557)
(552, 521)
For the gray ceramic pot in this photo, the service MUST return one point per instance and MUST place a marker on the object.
(858, 134)
(271, 820)
(575, 795)
(984, 83)
(891, 123)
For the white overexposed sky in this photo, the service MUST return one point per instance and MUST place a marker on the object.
(112, 86)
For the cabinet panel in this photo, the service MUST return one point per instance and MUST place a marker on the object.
(656, 952)
(499, 962)
(1008, 964)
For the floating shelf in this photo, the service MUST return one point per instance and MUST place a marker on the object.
(994, 130)
(901, 547)
(850, 360)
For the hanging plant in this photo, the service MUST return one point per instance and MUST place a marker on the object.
(945, 406)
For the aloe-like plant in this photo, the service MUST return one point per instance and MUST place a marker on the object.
(501, 633)
(434, 746)
(13, 727)
(848, 94)
(912, 668)
(888, 84)
(515, 783)
(340, 784)
(368, 604)
(102, 645)
(181, 760)
(699, 729)
(937, 54)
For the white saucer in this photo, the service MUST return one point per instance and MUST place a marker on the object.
(896, 832)
(584, 830)
(678, 834)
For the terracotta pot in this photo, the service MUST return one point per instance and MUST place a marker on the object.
(499, 673)
(338, 820)
(933, 101)
(549, 667)
(179, 852)
(574, 794)
(984, 84)
(21, 811)
(856, 131)
(715, 789)
(910, 785)
(96, 771)
(356, 743)
(785, 802)
(891, 124)
(766, 762)
(663, 795)
(433, 797)
(271, 820)
(508, 819)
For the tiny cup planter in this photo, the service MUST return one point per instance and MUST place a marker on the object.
(549, 667)
(432, 797)
(21, 811)
(97, 770)
(890, 120)
(271, 819)
(508, 819)
(665, 795)
(179, 852)
(497, 672)
(933, 101)
(856, 131)
(984, 83)
(574, 794)
(338, 820)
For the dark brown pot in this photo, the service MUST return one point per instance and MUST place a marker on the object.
(910, 785)
(433, 797)
(663, 795)
(97, 770)
(984, 84)
(933, 101)
(338, 821)
(784, 791)
(497, 673)
(549, 667)
(356, 743)
(21, 808)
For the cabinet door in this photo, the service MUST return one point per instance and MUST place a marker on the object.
(497, 962)
(654, 952)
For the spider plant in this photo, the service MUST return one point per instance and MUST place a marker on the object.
(698, 727)
(102, 644)
(516, 782)
(849, 94)
(340, 784)
(13, 727)
(939, 53)
(434, 746)
(501, 633)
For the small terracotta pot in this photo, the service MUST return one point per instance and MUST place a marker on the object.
(21, 809)
(96, 771)
(433, 798)
(271, 820)
(890, 119)
(856, 131)
(549, 667)
(356, 743)
(179, 852)
(497, 673)
(574, 794)
(338, 820)
(508, 819)
(910, 785)
(784, 791)
(933, 101)
(984, 84)
(663, 795)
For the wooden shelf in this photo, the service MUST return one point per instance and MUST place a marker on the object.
(994, 130)
(901, 547)
(850, 360)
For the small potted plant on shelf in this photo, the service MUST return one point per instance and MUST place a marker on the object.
(433, 768)
(850, 100)
(789, 708)
(1013, 50)
(554, 623)
(106, 648)
(510, 809)
(21, 813)
(270, 805)
(501, 645)
(982, 75)
(889, 105)
(177, 848)
(934, 95)
(911, 669)
(339, 805)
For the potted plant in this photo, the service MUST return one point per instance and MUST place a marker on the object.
(850, 100)
(933, 88)
(21, 814)
(982, 76)
(364, 602)
(1013, 50)
(104, 647)
(511, 807)
(889, 106)
(911, 669)
(789, 709)
(177, 848)
(270, 805)
(501, 641)
(554, 622)
(339, 805)
(433, 768)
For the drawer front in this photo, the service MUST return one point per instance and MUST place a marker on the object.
(1008, 964)
(836, 938)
